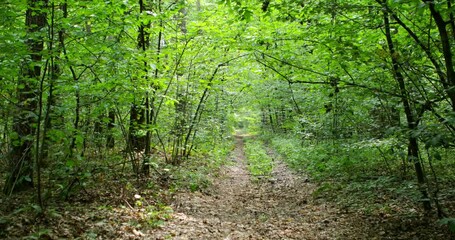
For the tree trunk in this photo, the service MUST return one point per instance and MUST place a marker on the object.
(110, 141)
(137, 119)
(446, 51)
(20, 159)
(412, 121)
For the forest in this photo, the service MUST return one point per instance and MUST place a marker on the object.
(227, 119)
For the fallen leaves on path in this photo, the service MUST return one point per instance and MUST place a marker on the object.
(236, 206)
(280, 207)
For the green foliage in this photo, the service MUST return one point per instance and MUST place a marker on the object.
(193, 180)
(247, 120)
(371, 176)
(260, 164)
(156, 215)
(450, 222)
(42, 233)
(316, 75)
(341, 160)
(198, 173)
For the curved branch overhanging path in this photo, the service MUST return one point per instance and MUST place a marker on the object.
(278, 208)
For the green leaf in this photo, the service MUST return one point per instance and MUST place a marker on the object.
(37, 208)
(450, 222)
(27, 178)
(70, 163)
(437, 156)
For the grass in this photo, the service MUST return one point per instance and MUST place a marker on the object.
(260, 164)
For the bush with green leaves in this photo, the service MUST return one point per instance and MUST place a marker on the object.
(197, 173)
(341, 159)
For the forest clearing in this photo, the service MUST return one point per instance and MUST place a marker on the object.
(227, 119)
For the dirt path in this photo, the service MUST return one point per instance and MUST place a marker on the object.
(277, 208)
(280, 207)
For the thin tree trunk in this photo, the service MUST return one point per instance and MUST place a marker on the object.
(137, 113)
(446, 50)
(110, 141)
(61, 39)
(412, 121)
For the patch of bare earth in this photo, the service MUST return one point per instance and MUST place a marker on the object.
(280, 207)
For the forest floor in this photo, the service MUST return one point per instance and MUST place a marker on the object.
(235, 206)
(279, 207)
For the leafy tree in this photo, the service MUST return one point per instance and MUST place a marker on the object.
(21, 161)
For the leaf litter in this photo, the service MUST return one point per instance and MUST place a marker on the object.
(279, 207)
(235, 206)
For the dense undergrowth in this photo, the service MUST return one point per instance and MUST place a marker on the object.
(370, 177)
(105, 199)
(198, 173)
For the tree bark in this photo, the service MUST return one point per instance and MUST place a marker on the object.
(446, 50)
(20, 159)
(412, 121)
(110, 141)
